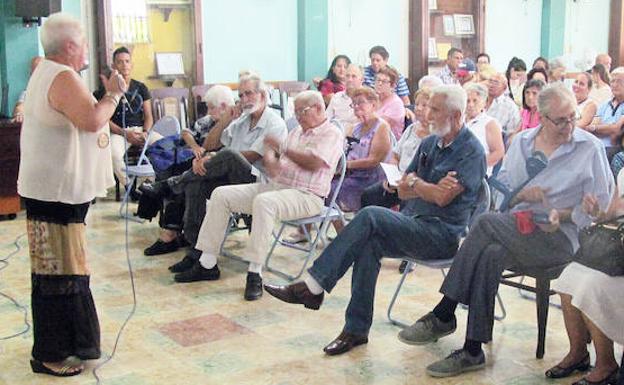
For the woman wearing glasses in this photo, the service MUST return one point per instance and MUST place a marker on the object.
(391, 108)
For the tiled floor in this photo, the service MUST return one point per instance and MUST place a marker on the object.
(205, 333)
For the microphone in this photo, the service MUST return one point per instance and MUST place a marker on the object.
(535, 164)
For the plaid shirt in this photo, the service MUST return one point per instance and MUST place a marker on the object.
(505, 110)
(446, 76)
(324, 141)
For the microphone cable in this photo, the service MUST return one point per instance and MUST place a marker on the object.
(4, 263)
(127, 105)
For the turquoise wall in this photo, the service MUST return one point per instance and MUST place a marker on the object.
(553, 28)
(18, 45)
(312, 22)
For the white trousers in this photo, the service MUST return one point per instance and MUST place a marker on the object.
(117, 152)
(266, 202)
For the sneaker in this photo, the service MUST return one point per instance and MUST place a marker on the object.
(161, 247)
(426, 330)
(198, 273)
(458, 362)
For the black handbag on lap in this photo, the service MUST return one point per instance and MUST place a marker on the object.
(602, 247)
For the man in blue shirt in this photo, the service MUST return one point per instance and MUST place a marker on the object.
(440, 188)
(610, 116)
(577, 170)
(379, 59)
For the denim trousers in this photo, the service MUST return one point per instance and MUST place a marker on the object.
(373, 233)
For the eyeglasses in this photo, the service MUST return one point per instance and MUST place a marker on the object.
(617, 81)
(302, 111)
(563, 122)
(358, 103)
(247, 94)
(382, 81)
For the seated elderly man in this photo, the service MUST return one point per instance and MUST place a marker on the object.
(609, 120)
(219, 101)
(605, 60)
(242, 139)
(301, 170)
(340, 107)
(495, 242)
(440, 187)
(500, 106)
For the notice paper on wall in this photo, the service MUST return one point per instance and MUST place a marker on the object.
(393, 174)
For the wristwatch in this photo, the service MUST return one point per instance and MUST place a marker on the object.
(412, 181)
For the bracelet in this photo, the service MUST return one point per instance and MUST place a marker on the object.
(113, 97)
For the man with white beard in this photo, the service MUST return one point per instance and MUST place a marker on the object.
(440, 187)
(239, 132)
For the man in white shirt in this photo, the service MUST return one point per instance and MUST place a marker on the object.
(339, 107)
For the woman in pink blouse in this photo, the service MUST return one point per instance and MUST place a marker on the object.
(530, 116)
(391, 108)
(335, 80)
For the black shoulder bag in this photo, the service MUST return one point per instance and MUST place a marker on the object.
(602, 247)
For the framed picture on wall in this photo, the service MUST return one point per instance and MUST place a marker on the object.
(433, 48)
(449, 25)
(433, 5)
(169, 63)
(464, 24)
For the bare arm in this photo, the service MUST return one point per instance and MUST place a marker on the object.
(251, 156)
(606, 129)
(405, 99)
(70, 96)
(441, 194)
(380, 146)
(18, 112)
(306, 160)
(148, 117)
(213, 139)
(587, 115)
(494, 139)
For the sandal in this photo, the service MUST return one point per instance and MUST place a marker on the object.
(610, 379)
(65, 371)
(560, 372)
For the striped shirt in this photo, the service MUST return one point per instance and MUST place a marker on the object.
(401, 87)
(324, 141)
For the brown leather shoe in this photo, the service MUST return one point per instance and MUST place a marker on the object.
(343, 343)
(296, 293)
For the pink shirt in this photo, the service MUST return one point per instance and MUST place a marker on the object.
(324, 141)
(393, 111)
(528, 120)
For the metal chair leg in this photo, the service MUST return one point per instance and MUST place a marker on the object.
(408, 268)
(542, 290)
(124, 204)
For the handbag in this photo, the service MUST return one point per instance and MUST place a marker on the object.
(168, 152)
(602, 247)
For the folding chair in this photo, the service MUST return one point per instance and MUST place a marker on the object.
(320, 224)
(171, 102)
(166, 126)
(482, 206)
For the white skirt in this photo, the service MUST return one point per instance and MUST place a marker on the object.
(599, 296)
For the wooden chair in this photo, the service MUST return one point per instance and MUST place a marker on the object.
(197, 94)
(173, 102)
(292, 88)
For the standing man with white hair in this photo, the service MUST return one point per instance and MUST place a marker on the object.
(577, 170)
(439, 189)
(65, 163)
(300, 170)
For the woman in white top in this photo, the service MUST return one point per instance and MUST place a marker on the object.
(484, 127)
(407, 146)
(601, 91)
(65, 163)
(586, 106)
(592, 304)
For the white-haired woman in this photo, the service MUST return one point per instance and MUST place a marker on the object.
(484, 127)
(65, 163)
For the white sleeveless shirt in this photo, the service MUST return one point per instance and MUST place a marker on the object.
(477, 126)
(59, 162)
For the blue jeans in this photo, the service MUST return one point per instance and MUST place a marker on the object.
(376, 232)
